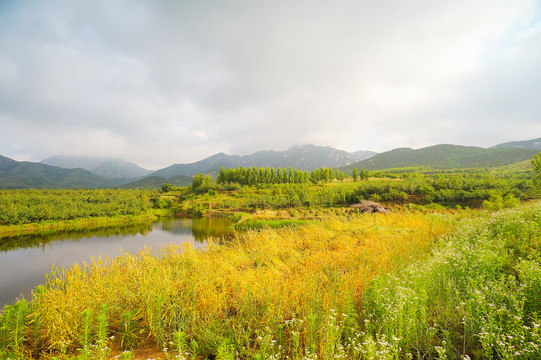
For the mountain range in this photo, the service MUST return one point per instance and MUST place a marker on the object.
(445, 157)
(112, 168)
(63, 171)
(25, 174)
(305, 157)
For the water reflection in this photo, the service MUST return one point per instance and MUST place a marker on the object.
(201, 229)
(41, 240)
(25, 260)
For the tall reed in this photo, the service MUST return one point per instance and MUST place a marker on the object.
(277, 292)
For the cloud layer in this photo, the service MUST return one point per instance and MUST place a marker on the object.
(168, 82)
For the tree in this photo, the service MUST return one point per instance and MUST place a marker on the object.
(355, 174)
(167, 188)
(364, 174)
(536, 162)
(313, 177)
(201, 183)
(284, 176)
(290, 176)
(221, 176)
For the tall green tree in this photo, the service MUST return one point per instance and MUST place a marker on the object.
(364, 174)
(201, 183)
(221, 176)
(355, 174)
(536, 162)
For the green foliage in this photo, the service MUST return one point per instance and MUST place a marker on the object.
(13, 323)
(29, 206)
(464, 188)
(167, 188)
(201, 184)
(273, 224)
(364, 174)
(129, 331)
(477, 296)
(265, 175)
(498, 202)
(536, 162)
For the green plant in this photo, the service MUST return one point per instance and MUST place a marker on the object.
(226, 351)
(13, 323)
(129, 331)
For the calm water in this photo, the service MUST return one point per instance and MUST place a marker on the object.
(24, 261)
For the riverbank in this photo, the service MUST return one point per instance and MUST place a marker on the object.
(51, 227)
(41, 212)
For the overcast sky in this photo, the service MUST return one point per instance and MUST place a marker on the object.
(163, 82)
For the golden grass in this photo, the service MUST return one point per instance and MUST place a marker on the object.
(259, 280)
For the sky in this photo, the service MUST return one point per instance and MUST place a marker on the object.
(165, 82)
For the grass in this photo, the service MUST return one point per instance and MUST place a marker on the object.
(478, 296)
(269, 293)
(395, 286)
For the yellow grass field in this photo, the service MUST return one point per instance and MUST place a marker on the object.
(259, 282)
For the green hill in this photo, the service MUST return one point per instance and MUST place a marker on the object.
(24, 174)
(444, 157)
(526, 144)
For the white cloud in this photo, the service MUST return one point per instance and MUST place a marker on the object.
(171, 82)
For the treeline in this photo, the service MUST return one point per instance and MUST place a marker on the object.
(464, 189)
(268, 175)
(29, 206)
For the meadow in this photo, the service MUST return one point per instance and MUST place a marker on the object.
(393, 286)
(316, 279)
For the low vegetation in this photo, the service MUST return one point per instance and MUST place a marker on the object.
(47, 211)
(451, 189)
(265, 284)
(451, 272)
(368, 286)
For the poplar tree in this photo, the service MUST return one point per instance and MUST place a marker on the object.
(221, 176)
(536, 162)
(364, 174)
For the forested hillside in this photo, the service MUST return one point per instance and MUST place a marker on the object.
(444, 157)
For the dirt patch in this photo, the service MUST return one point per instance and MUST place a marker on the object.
(369, 207)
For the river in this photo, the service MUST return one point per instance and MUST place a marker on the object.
(24, 261)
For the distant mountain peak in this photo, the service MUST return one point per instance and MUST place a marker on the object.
(109, 167)
(302, 157)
